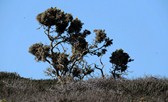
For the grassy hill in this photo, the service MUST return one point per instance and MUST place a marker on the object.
(14, 88)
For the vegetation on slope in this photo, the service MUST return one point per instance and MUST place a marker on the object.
(14, 88)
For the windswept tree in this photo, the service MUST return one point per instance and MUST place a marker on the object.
(66, 54)
(68, 45)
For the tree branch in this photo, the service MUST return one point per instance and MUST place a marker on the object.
(101, 69)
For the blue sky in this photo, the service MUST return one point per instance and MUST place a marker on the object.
(140, 27)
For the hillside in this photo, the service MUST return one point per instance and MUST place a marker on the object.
(14, 88)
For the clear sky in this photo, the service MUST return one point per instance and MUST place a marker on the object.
(140, 27)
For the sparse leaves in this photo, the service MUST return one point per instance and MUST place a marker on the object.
(40, 51)
(100, 35)
(62, 29)
(48, 18)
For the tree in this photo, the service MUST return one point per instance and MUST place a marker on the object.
(64, 32)
(119, 60)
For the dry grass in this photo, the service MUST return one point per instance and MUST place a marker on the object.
(14, 88)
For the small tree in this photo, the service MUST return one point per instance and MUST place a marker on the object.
(64, 32)
(119, 60)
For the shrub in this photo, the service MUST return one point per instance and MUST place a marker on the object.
(119, 60)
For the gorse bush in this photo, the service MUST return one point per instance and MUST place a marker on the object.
(63, 30)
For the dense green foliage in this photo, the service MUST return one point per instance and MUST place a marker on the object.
(148, 89)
